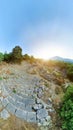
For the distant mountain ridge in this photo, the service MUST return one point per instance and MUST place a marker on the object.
(62, 59)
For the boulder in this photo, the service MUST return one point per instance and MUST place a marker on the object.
(37, 107)
(42, 113)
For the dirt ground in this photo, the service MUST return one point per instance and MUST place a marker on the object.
(14, 123)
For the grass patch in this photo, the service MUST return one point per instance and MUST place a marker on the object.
(14, 90)
(1, 78)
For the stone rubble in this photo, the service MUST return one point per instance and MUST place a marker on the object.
(21, 95)
(27, 108)
(5, 114)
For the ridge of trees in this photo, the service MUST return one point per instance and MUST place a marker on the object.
(15, 56)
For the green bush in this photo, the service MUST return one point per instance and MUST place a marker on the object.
(69, 93)
(70, 72)
(7, 57)
(14, 90)
(66, 110)
(1, 57)
(16, 54)
(32, 59)
(60, 64)
(26, 57)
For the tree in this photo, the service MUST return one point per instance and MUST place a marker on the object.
(17, 54)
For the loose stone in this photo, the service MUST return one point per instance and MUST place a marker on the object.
(42, 113)
(5, 114)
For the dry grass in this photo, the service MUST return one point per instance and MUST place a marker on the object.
(14, 123)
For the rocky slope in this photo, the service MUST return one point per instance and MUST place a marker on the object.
(30, 94)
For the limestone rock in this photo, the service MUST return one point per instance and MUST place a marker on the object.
(5, 102)
(21, 114)
(37, 106)
(31, 117)
(1, 98)
(48, 118)
(11, 108)
(5, 114)
(42, 113)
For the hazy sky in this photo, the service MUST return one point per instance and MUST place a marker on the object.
(40, 27)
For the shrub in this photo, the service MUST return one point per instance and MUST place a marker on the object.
(70, 72)
(58, 90)
(69, 93)
(26, 57)
(32, 59)
(1, 57)
(14, 90)
(7, 57)
(66, 110)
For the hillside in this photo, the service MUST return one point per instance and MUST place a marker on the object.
(62, 59)
(28, 90)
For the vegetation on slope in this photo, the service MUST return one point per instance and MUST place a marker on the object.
(66, 111)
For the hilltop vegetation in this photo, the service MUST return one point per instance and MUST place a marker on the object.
(15, 56)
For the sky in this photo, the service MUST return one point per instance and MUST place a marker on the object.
(42, 28)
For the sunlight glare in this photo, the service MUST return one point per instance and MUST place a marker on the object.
(46, 53)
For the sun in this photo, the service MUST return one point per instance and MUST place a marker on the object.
(46, 53)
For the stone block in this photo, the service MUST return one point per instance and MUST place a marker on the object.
(21, 114)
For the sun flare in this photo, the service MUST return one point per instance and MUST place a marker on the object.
(46, 53)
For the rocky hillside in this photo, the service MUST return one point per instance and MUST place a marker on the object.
(30, 94)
